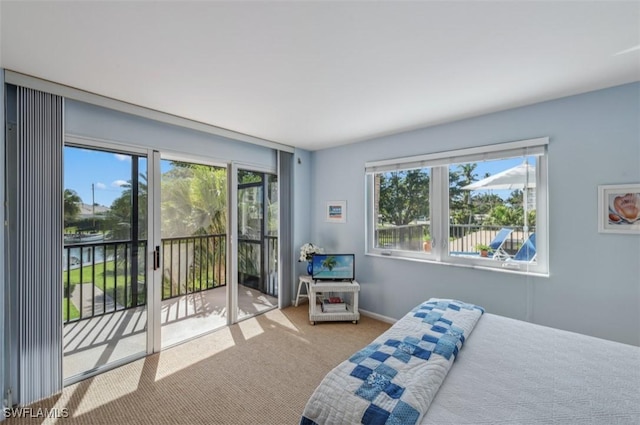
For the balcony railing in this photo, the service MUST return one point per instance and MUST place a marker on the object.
(193, 264)
(97, 278)
(97, 275)
(463, 238)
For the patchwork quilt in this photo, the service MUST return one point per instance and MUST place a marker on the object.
(394, 379)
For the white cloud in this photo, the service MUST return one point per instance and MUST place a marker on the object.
(119, 183)
(100, 186)
(121, 157)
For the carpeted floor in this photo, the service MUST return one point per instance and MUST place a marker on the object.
(259, 371)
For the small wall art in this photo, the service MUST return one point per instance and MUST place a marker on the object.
(337, 211)
(619, 208)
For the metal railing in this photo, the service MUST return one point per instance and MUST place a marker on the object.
(463, 238)
(97, 275)
(409, 237)
(258, 268)
(97, 278)
(193, 264)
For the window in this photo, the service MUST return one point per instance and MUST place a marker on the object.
(482, 207)
(401, 210)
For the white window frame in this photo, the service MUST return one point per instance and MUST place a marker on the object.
(439, 200)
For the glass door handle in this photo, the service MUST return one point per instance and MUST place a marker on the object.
(156, 258)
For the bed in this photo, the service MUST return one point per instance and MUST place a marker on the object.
(500, 371)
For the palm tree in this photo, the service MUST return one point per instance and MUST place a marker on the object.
(120, 214)
(194, 202)
(71, 202)
(468, 177)
(329, 263)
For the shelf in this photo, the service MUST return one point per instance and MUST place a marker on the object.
(315, 310)
(348, 315)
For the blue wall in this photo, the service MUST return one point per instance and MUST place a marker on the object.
(302, 198)
(83, 119)
(594, 283)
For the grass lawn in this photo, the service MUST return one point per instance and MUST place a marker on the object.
(106, 280)
(73, 311)
(105, 277)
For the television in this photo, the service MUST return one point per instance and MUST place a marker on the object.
(333, 267)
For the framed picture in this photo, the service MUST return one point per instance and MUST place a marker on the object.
(619, 208)
(337, 211)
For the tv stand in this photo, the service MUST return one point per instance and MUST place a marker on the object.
(349, 291)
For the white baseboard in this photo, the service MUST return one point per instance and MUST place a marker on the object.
(378, 316)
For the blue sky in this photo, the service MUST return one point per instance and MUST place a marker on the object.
(107, 171)
(496, 166)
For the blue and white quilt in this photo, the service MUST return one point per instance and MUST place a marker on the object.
(394, 379)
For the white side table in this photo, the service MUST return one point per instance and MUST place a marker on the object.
(346, 288)
(306, 280)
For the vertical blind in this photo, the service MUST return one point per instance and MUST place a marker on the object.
(36, 277)
(285, 269)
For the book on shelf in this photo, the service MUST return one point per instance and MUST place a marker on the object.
(333, 305)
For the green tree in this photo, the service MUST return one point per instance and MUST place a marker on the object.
(71, 203)
(119, 217)
(485, 202)
(249, 177)
(468, 177)
(404, 196)
(506, 215)
(461, 205)
(516, 198)
(194, 200)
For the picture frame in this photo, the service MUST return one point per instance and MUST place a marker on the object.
(336, 212)
(619, 208)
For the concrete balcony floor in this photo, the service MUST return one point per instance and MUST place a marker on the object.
(95, 342)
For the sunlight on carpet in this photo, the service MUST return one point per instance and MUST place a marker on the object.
(192, 352)
(250, 328)
(254, 372)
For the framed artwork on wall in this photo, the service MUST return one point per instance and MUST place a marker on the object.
(619, 208)
(336, 211)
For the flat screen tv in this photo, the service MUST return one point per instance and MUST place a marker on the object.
(333, 267)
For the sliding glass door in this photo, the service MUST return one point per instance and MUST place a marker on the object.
(146, 252)
(104, 270)
(193, 252)
(257, 199)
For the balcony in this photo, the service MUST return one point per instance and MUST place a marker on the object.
(463, 238)
(104, 310)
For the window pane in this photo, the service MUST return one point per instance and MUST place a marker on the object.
(401, 210)
(492, 209)
(272, 205)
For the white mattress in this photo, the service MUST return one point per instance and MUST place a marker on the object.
(514, 372)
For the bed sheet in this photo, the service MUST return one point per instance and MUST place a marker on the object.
(515, 372)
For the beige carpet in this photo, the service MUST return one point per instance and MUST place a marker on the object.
(260, 371)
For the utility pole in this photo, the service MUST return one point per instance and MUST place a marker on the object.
(93, 205)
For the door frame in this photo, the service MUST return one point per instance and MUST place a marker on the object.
(154, 236)
(90, 143)
(232, 251)
(155, 226)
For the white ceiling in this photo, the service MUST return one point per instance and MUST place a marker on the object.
(321, 74)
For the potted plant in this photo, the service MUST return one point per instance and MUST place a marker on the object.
(426, 244)
(483, 250)
(306, 254)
